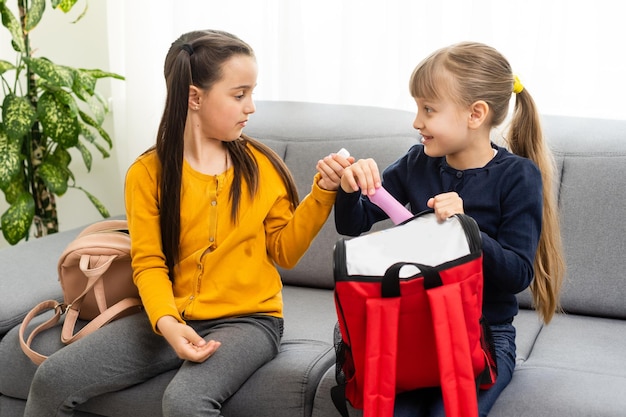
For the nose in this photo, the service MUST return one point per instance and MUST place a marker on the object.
(250, 108)
(417, 123)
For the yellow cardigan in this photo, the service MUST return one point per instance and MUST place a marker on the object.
(224, 270)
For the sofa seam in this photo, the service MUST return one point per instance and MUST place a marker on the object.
(531, 350)
(565, 368)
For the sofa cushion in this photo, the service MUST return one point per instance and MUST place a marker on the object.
(281, 388)
(594, 234)
(590, 158)
(574, 369)
(12, 407)
(30, 276)
(592, 345)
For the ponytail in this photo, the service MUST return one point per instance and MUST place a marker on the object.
(481, 73)
(526, 139)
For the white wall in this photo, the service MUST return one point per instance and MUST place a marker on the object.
(569, 54)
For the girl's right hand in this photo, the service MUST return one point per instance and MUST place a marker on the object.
(187, 344)
(363, 175)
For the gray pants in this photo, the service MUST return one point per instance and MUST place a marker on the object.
(127, 352)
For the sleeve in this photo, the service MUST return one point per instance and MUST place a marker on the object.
(356, 214)
(289, 232)
(150, 272)
(508, 257)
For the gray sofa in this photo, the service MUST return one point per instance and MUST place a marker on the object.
(576, 366)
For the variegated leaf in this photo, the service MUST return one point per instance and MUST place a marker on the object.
(61, 156)
(16, 221)
(97, 109)
(87, 157)
(5, 66)
(97, 204)
(54, 176)
(54, 74)
(64, 5)
(91, 137)
(58, 121)
(18, 115)
(84, 81)
(10, 159)
(64, 97)
(15, 188)
(91, 122)
(34, 13)
(97, 73)
(10, 22)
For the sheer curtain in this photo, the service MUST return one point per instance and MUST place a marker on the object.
(568, 54)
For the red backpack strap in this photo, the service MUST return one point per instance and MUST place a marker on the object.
(381, 348)
(458, 383)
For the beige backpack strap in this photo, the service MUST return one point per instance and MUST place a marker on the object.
(36, 357)
(94, 268)
(111, 313)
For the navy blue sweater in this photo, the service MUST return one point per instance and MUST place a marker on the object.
(504, 197)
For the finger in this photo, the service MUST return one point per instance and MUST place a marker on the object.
(370, 180)
(349, 181)
(196, 353)
(332, 168)
(341, 160)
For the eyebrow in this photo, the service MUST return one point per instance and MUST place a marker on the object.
(243, 87)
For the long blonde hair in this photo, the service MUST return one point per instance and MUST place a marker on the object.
(480, 72)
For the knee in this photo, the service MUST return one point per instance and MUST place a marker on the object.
(49, 390)
(181, 400)
(48, 377)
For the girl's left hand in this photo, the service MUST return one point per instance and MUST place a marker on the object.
(446, 205)
(331, 170)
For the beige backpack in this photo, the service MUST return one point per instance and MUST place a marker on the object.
(96, 277)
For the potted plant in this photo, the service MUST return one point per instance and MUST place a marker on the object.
(47, 109)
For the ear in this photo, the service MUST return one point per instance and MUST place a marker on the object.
(194, 97)
(479, 111)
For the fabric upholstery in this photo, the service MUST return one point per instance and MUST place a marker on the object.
(572, 367)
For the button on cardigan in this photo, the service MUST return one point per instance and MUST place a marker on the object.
(225, 269)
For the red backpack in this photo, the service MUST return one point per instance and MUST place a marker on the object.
(409, 307)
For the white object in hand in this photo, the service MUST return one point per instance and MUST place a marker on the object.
(343, 152)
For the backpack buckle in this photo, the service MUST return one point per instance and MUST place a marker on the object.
(61, 308)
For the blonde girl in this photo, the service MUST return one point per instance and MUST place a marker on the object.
(462, 92)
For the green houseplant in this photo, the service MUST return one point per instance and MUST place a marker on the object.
(47, 110)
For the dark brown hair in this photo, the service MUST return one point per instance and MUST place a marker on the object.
(468, 72)
(197, 58)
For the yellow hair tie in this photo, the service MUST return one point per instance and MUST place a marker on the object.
(517, 85)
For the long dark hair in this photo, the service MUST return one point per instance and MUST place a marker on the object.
(196, 58)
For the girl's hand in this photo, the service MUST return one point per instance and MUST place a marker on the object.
(187, 344)
(331, 169)
(364, 175)
(446, 205)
